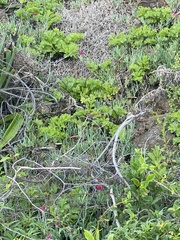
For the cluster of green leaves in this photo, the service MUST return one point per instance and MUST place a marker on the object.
(140, 68)
(151, 212)
(92, 95)
(93, 66)
(154, 36)
(149, 229)
(173, 92)
(3, 2)
(96, 235)
(40, 11)
(172, 121)
(55, 128)
(137, 37)
(147, 209)
(36, 18)
(176, 65)
(147, 34)
(56, 42)
(103, 70)
(82, 88)
(148, 174)
(157, 16)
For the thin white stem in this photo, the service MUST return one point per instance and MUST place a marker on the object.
(114, 205)
(116, 136)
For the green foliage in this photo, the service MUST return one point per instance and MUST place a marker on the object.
(82, 89)
(173, 92)
(176, 65)
(26, 40)
(150, 229)
(55, 129)
(88, 235)
(11, 129)
(173, 123)
(157, 16)
(34, 34)
(154, 36)
(137, 37)
(6, 69)
(175, 209)
(10, 124)
(88, 92)
(3, 2)
(92, 94)
(40, 11)
(93, 66)
(55, 42)
(73, 207)
(140, 68)
(102, 116)
(148, 174)
(146, 36)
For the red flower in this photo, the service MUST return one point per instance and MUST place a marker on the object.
(80, 52)
(48, 236)
(99, 187)
(35, 13)
(148, 51)
(57, 224)
(43, 208)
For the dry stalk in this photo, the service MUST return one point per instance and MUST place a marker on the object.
(128, 120)
(114, 205)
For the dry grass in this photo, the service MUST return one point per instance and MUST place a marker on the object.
(97, 20)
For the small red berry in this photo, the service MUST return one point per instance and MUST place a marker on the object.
(149, 51)
(35, 13)
(98, 187)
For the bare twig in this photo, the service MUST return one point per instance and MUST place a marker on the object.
(129, 119)
(47, 168)
(114, 211)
